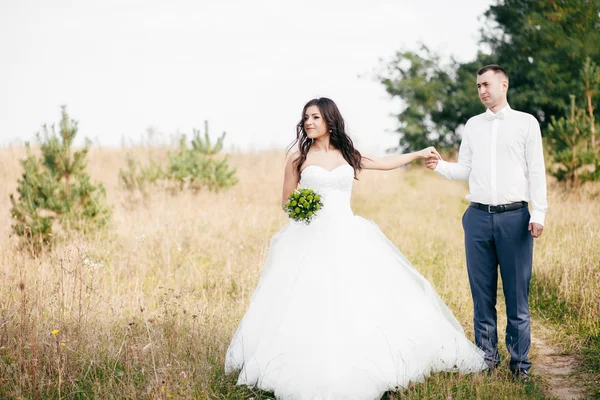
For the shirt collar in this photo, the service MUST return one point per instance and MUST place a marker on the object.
(504, 110)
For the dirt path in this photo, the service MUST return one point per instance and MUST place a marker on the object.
(557, 370)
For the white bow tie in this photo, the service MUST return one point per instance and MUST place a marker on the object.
(492, 116)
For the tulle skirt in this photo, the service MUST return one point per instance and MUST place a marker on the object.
(340, 313)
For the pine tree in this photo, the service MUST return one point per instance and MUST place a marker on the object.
(204, 146)
(55, 193)
(196, 167)
(192, 167)
(571, 141)
(567, 141)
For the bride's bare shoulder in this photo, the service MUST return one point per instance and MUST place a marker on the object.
(292, 156)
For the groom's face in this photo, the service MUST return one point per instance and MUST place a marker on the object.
(492, 88)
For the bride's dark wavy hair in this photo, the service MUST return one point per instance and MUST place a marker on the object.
(337, 135)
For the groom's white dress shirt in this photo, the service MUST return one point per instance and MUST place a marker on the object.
(502, 157)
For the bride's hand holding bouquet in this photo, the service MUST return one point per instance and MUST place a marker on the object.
(303, 204)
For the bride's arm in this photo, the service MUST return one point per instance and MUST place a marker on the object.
(397, 160)
(290, 178)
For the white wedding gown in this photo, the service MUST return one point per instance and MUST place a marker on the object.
(339, 313)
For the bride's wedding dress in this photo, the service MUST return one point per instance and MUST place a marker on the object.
(339, 313)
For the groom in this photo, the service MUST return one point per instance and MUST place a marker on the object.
(501, 156)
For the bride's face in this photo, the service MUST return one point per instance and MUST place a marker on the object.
(314, 124)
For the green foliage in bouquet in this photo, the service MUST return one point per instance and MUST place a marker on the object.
(303, 205)
(55, 192)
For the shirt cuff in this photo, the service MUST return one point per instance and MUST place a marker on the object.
(440, 168)
(537, 217)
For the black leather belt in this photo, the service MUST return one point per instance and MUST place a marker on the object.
(500, 208)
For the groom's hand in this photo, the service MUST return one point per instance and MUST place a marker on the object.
(536, 229)
(432, 162)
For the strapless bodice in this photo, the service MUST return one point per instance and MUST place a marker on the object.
(335, 188)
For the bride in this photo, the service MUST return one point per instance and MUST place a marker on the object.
(339, 313)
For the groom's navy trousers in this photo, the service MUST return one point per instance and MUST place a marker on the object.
(493, 239)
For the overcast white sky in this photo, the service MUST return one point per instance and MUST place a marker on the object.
(248, 67)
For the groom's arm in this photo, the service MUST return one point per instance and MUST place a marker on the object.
(461, 169)
(536, 171)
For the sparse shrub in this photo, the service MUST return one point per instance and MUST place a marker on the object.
(192, 167)
(138, 177)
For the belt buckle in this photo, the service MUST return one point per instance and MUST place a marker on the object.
(489, 210)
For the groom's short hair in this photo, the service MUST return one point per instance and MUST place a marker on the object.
(493, 67)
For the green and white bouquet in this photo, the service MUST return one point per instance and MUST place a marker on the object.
(303, 204)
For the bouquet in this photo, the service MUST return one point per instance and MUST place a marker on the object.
(303, 205)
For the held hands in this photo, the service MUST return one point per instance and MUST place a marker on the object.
(429, 153)
(536, 229)
(431, 157)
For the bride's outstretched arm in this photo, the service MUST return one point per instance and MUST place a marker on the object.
(290, 178)
(392, 162)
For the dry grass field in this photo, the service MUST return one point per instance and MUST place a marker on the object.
(147, 308)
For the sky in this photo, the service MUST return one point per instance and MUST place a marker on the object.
(123, 67)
